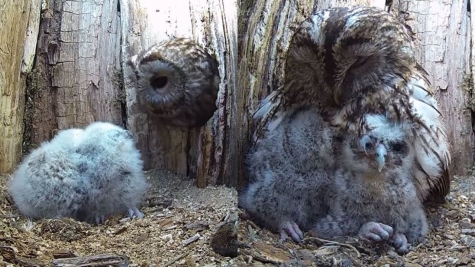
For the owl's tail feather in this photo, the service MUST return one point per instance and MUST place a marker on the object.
(432, 171)
(267, 117)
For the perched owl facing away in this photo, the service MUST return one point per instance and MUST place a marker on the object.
(177, 81)
(371, 194)
(351, 61)
(83, 174)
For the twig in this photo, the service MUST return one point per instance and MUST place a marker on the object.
(191, 240)
(176, 259)
(329, 242)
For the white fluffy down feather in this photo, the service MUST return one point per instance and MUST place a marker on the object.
(83, 174)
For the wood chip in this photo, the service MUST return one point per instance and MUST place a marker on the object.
(191, 239)
(96, 261)
(64, 254)
(269, 253)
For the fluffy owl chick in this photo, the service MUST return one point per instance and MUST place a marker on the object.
(68, 139)
(111, 164)
(286, 168)
(350, 61)
(48, 183)
(177, 81)
(372, 194)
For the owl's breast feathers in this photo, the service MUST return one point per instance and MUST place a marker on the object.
(348, 62)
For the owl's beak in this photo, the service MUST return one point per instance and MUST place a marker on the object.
(381, 156)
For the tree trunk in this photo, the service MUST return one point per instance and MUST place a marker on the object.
(77, 68)
(445, 55)
(443, 31)
(18, 33)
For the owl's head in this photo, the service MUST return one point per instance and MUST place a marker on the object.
(106, 131)
(383, 149)
(346, 50)
(159, 76)
(176, 78)
(68, 138)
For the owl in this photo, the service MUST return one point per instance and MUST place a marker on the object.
(372, 194)
(352, 61)
(48, 183)
(177, 82)
(288, 174)
(82, 174)
(112, 165)
(357, 185)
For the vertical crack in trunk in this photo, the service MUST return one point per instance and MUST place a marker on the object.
(120, 78)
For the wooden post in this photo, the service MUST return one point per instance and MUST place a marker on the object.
(444, 50)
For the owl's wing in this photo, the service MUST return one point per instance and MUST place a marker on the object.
(432, 168)
(268, 114)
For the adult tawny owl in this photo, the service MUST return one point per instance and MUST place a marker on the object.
(177, 81)
(351, 61)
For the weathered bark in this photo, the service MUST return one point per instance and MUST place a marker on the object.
(18, 33)
(207, 154)
(444, 52)
(443, 31)
(83, 45)
(78, 72)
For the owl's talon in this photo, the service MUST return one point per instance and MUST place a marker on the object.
(100, 219)
(399, 242)
(135, 212)
(291, 229)
(374, 231)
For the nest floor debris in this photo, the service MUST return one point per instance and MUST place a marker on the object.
(180, 220)
(451, 241)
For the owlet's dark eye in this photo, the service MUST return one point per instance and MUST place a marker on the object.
(368, 146)
(359, 62)
(396, 146)
(158, 82)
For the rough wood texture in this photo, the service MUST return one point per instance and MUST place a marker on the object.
(207, 154)
(19, 20)
(78, 72)
(444, 34)
(268, 26)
